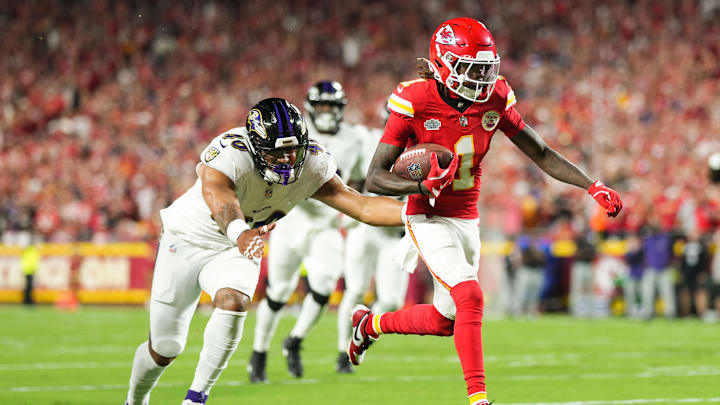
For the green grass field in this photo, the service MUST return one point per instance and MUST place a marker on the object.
(48, 357)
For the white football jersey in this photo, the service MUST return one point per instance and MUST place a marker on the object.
(370, 142)
(261, 202)
(347, 147)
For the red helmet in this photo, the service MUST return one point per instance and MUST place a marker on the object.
(463, 57)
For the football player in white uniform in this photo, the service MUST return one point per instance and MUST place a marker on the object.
(320, 248)
(371, 255)
(248, 178)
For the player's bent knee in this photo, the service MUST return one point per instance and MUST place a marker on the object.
(231, 300)
(164, 351)
(468, 295)
(445, 326)
(319, 298)
(274, 305)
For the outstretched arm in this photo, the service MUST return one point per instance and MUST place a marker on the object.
(377, 211)
(219, 194)
(549, 160)
(555, 165)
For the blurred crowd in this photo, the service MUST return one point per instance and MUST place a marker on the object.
(650, 273)
(106, 105)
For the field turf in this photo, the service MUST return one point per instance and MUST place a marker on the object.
(49, 357)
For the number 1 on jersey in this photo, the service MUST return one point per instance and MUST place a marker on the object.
(465, 149)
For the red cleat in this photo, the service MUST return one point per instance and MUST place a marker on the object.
(361, 340)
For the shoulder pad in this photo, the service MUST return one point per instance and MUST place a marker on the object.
(401, 100)
(503, 90)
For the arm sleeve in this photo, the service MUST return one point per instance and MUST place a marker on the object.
(397, 130)
(511, 122)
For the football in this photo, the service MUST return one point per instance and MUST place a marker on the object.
(414, 162)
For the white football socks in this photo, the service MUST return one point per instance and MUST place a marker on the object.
(222, 335)
(145, 375)
(309, 314)
(265, 326)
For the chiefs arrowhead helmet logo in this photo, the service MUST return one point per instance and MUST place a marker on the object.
(446, 36)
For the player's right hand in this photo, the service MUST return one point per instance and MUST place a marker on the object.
(439, 178)
(250, 242)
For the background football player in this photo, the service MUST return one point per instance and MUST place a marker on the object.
(471, 101)
(248, 178)
(310, 236)
(370, 253)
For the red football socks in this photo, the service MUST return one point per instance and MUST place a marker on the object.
(422, 319)
(468, 299)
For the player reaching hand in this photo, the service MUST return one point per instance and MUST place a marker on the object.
(248, 178)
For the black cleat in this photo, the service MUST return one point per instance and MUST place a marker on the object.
(256, 368)
(291, 351)
(343, 364)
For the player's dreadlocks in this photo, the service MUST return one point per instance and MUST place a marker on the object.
(423, 70)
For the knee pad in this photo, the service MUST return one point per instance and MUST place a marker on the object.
(468, 296)
(319, 298)
(169, 348)
(274, 305)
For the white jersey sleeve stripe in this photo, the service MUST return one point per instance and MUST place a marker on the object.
(401, 106)
(511, 100)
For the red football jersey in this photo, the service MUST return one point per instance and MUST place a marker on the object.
(419, 114)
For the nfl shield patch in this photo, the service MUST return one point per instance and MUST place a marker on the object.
(415, 171)
(211, 153)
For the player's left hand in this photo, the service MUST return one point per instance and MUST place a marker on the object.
(250, 242)
(439, 178)
(606, 197)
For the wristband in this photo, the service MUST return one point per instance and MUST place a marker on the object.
(420, 187)
(235, 228)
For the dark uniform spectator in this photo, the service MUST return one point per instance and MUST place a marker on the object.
(635, 259)
(694, 269)
(581, 277)
(657, 256)
(528, 281)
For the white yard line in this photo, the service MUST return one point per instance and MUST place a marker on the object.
(358, 379)
(626, 401)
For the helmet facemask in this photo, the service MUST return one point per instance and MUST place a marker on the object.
(470, 78)
(281, 165)
(277, 140)
(328, 120)
(325, 103)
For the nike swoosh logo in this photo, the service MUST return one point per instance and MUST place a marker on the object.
(355, 336)
(221, 144)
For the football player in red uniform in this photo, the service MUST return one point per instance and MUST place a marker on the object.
(460, 106)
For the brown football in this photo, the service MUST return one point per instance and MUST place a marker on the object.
(414, 162)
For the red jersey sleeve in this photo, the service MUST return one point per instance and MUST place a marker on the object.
(511, 122)
(397, 130)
